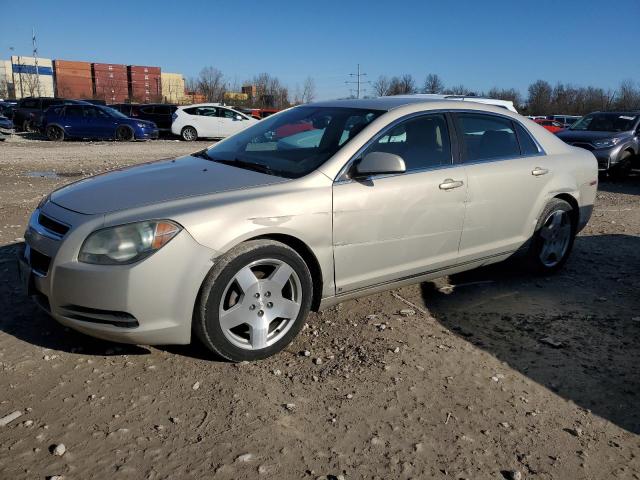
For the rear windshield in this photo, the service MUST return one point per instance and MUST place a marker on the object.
(295, 142)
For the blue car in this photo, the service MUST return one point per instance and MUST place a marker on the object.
(95, 122)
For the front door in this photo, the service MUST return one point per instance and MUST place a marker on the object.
(395, 226)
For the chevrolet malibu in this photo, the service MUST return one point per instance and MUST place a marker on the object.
(238, 242)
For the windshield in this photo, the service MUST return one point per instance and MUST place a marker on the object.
(112, 112)
(605, 122)
(295, 142)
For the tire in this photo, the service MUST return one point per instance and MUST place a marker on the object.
(55, 133)
(623, 168)
(553, 238)
(124, 134)
(26, 126)
(239, 316)
(189, 134)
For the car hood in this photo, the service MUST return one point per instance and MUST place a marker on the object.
(156, 182)
(587, 136)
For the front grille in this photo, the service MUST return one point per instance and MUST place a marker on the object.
(53, 225)
(586, 146)
(39, 262)
(95, 315)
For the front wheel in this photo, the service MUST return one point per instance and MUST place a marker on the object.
(189, 134)
(553, 238)
(254, 301)
(124, 134)
(55, 133)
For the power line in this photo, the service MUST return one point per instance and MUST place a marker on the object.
(357, 81)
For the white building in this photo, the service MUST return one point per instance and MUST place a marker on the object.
(32, 77)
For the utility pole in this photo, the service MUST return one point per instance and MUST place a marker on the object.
(35, 56)
(357, 80)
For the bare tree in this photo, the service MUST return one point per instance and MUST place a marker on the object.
(381, 86)
(507, 94)
(270, 92)
(308, 90)
(456, 90)
(433, 84)
(402, 85)
(539, 101)
(628, 97)
(211, 84)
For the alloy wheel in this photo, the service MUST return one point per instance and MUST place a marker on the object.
(260, 304)
(556, 236)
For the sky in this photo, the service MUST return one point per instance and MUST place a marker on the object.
(480, 44)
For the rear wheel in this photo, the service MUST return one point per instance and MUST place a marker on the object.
(55, 133)
(189, 134)
(124, 134)
(26, 126)
(553, 238)
(254, 301)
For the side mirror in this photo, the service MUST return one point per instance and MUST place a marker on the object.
(377, 163)
(238, 117)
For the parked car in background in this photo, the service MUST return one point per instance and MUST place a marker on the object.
(7, 107)
(613, 137)
(258, 113)
(208, 120)
(551, 125)
(6, 128)
(29, 112)
(95, 121)
(565, 120)
(159, 113)
(238, 242)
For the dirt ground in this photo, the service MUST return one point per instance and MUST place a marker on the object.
(496, 375)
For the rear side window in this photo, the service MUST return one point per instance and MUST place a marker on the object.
(162, 110)
(72, 111)
(422, 142)
(147, 110)
(487, 137)
(527, 145)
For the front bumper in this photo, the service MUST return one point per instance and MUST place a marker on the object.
(150, 302)
(148, 134)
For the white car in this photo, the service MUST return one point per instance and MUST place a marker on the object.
(208, 120)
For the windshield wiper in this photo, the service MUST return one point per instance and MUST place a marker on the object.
(257, 167)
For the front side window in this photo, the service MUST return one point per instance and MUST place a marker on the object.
(422, 142)
(487, 137)
(72, 111)
(295, 142)
(29, 104)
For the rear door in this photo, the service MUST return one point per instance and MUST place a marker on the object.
(74, 121)
(207, 122)
(507, 174)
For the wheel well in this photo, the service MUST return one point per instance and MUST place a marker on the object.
(575, 208)
(309, 258)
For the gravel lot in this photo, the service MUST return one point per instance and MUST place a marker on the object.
(492, 374)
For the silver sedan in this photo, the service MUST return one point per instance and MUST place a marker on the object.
(309, 207)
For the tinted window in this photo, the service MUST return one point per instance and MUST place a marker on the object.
(422, 142)
(147, 110)
(162, 109)
(29, 104)
(206, 111)
(72, 111)
(527, 145)
(487, 136)
(606, 122)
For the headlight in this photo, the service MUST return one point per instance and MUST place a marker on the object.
(127, 243)
(143, 125)
(610, 142)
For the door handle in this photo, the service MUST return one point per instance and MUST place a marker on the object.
(450, 184)
(539, 171)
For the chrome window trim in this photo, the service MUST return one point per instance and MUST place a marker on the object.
(342, 179)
